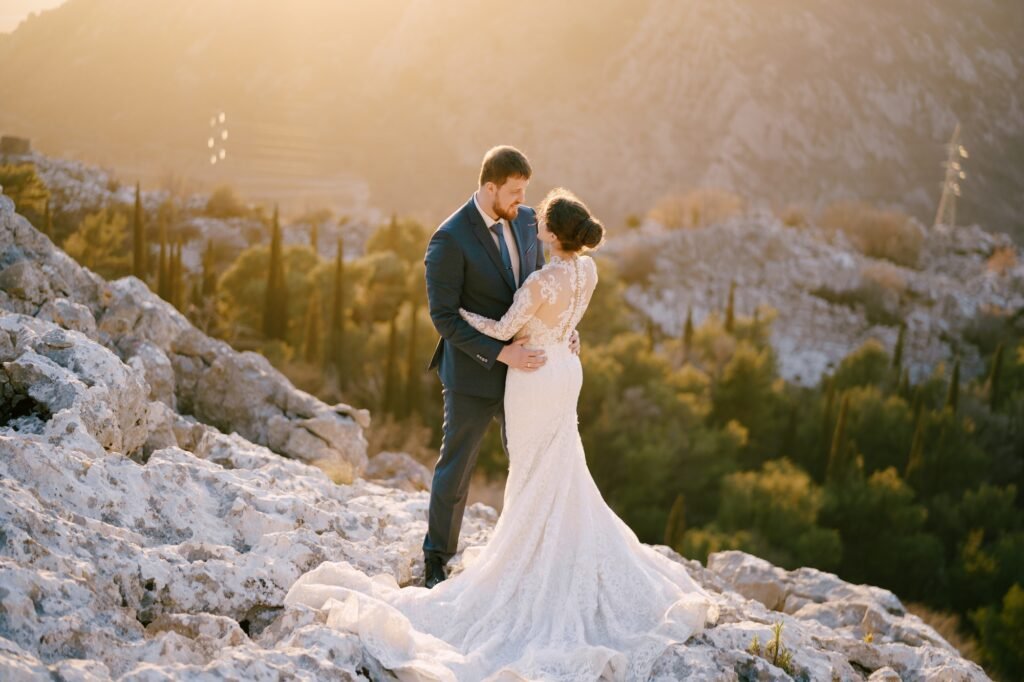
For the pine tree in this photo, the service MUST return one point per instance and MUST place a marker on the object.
(314, 239)
(730, 308)
(335, 355)
(312, 329)
(952, 397)
(138, 238)
(993, 378)
(838, 453)
(412, 377)
(676, 524)
(102, 243)
(391, 373)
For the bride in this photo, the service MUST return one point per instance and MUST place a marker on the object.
(563, 590)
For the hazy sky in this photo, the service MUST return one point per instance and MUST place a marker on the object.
(12, 12)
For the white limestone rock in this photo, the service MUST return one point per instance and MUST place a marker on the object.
(398, 470)
(72, 384)
(182, 367)
(69, 315)
(827, 619)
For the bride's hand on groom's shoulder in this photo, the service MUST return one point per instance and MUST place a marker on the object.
(574, 342)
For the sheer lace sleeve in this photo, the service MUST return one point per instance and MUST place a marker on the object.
(528, 299)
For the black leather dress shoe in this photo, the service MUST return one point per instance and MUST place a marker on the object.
(433, 571)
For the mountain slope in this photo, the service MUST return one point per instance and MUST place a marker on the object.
(794, 101)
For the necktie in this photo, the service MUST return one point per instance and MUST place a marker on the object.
(506, 259)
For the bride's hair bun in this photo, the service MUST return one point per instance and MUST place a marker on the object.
(570, 220)
(590, 233)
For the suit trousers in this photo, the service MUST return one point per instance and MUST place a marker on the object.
(466, 419)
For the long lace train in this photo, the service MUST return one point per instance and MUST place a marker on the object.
(563, 590)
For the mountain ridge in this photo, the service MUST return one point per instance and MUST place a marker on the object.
(780, 104)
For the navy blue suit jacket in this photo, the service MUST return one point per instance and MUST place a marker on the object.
(464, 269)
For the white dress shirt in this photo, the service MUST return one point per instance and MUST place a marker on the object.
(510, 241)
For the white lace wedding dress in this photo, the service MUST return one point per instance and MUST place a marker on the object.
(563, 590)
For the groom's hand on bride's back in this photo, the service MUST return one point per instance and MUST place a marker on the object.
(515, 355)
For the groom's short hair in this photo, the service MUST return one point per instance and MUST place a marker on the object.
(503, 162)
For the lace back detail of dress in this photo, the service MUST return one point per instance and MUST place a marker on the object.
(566, 286)
(548, 306)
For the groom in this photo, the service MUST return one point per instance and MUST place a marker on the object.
(476, 259)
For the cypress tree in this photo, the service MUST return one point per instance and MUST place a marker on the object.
(314, 238)
(172, 272)
(391, 372)
(789, 435)
(209, 287)
(138, 238)
(311, 331)
(180, 293)
(196, 293)
(897, 353)
(993, 378)
(952, 397)
(676, 524)
(412, 377)
(47, 219)
(730, 308)
(826, 426)
(904, 389)
(335, 355)
(163, 279)
(915, 459)
(176, 274)
(275, 300)
(837, 456)
(688, 328)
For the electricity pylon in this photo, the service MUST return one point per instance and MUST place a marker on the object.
(946, 215)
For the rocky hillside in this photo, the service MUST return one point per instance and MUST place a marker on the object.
(158, 496)
(623, 102)
(830, 297)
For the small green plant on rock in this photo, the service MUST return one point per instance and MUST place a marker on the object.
(755, 646)
(773, 652)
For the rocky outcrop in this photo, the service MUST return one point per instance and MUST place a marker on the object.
(180, 367)
(788, 268)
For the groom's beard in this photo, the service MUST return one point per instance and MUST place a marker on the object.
(508, 213)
